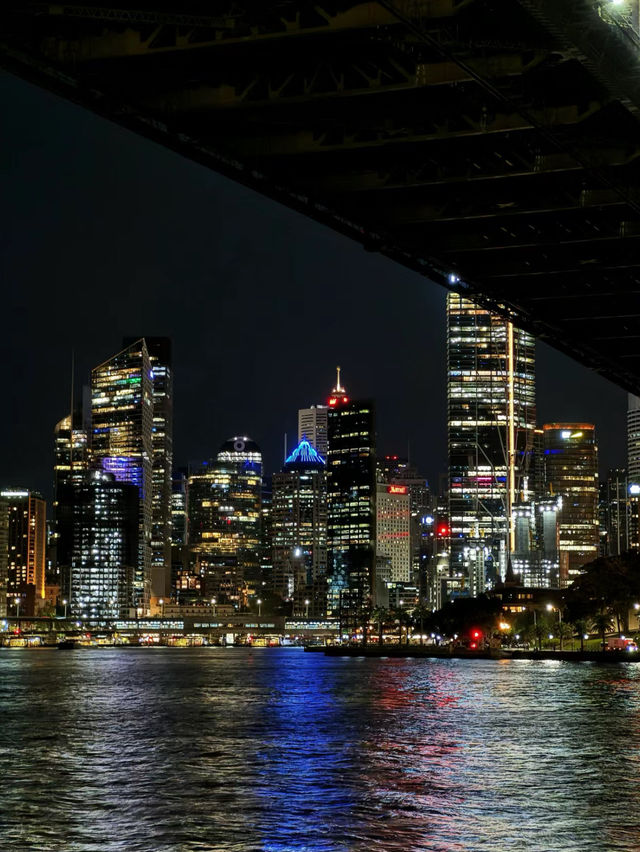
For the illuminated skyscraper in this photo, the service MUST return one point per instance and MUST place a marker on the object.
(614, 514)
(4, 554)
(299, 531)
(396, 470)
(571, 468)
(122, 442)
(71, 451)
(633, 439)
(351, 500)
(159, 349)
(26, 549)
(491, 422)
(393, 529)
(224, 518)
(99, 518)
(71, 462)
(312, 425)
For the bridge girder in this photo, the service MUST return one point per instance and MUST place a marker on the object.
(491, 145)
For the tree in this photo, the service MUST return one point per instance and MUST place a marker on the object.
(380, 615)
(365, 615)
(421, 614)
(402, 617)
(541, 629)
(565, 631)
(582, 627)
(602, 623)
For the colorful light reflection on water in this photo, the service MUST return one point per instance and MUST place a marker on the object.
(278, 750)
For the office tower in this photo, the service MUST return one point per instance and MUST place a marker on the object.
(393, 530)
(571, 471)
(4, 554)
(179, 531)
(633, 471)
(396, 470)
(159, 349)
(99, 517)
(614, 511)
(266, 533)
(534, 557)
(71, 462)
(71, 451)
(224, 519)
(299, 531)
(312, 425)
(491, 421)
(351, 503)
(25, 549)
(122, 443)
(633, 439)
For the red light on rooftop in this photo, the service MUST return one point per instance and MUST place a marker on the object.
(333, 401)
(476, 634)
(345, 399)
(443, 530)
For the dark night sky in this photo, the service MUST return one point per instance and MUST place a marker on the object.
(106, 234)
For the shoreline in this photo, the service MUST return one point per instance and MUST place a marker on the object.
(395, 651)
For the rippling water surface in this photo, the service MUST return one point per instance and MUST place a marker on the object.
(275, 749)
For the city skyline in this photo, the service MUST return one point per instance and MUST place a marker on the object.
(181, 292)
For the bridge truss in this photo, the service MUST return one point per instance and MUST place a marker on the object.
(491, 145)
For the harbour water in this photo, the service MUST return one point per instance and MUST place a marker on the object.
(194, 750)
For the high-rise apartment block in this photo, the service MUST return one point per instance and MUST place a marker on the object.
(351, 499)
(491, 422)
(25, 555)
(571, 468)
(312, 426)
(122, 441)
(299, 531)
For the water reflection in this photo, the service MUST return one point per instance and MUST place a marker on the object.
(284, 751)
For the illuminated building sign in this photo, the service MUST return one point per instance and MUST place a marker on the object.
(397, 489)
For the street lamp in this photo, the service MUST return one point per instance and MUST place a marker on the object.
(161, 602)
(17, 603)
(65, 604)
(259, 607)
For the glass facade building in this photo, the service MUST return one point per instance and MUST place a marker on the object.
(159, 349)
(224, 518)
(312, 425)
(491, 423)
(351, 503)
(122, 442)
(99, 517)
(571, 469)
(299, 531)
(26, 524)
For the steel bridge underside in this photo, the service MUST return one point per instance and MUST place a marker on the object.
(491, 145)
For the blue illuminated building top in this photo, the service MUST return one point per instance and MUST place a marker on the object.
(304, 454)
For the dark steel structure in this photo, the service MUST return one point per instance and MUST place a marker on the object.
(492, 145)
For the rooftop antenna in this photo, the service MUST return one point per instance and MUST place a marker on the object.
(338, 388)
